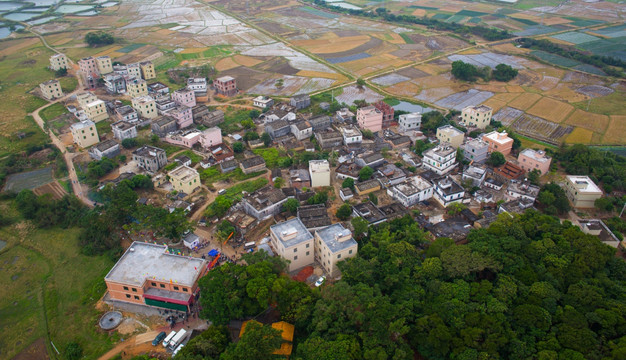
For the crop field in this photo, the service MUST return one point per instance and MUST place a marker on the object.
(615, 133)
(579, 136)
(575, 37)
(525, 101)
(390, 79)
(353, 92)
(490, 59)
(595, 122)
(550, 109)
(460, 100)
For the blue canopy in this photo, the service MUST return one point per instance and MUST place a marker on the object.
(213, 252)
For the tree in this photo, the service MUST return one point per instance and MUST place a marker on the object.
(348, 183)
(604, 204)
(129, 143)
(99, 38)
(247, 124)
(210, 344)
(360, 226)
(464, 71)
(279, 182)
(73, 351)
(344, 212)
(319, 198)
(61, 72)
(367, 134)
(238, 147)
(267, 139)
(257, 343)
(504, 72)
(219, 207)
(365, 173)
(496, 159)
(154, 139)
(533, 176)
(250, 135)
(253, 114)
(291, 205)
(360, 82)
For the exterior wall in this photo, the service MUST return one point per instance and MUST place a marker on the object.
(134, 294)
(412, 199)
(85, 98)
(580, 199)
(367, 191)
(479, 117)
(449, 199)
(147, 70)
(150, 163)
(301, 134)
(137, 88)
(51, 89)
(185, 186)
(253, 169)
(145, 109)
(370, 119)
(184, 97)
(529, 163)
(88, 66)
(450, 135)
(387, 111)
(328, 259)
(477, 154)
(124, 134)
(319, 178)
(499, 142)
(134, 71)
(86, 136)
(188, 140)
(183, 116)
(58, 62)
(440, 165)
(211, 137)
(226, 88)
(104, 65)
(96, 111)
(300, 255)
(265, 213)
(407, 122)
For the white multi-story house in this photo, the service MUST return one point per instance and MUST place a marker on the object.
(409, 122)
(447, 191)
(351, 135)
(412, 191)
(440, 159)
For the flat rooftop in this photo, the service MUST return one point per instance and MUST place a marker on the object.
(143, 261)
(183, 173)
(319, 166)
(537, 155)
(584, 184)
(331, 235)
(291, 232)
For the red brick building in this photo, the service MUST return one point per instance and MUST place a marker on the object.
(148, 274)
(226, 85)
(387, 114)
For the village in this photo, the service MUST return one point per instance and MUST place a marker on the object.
(319, 175)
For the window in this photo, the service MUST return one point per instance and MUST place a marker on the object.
(126, 288)
(185, 289)
(162, 285)
(339, 256)
(128, 296)
(295, 257)
(350, 252)
(307, 253)
(154, 284)
(136, 297)
(176, 288)
(307, 245)
(295, 250)
(134, 290)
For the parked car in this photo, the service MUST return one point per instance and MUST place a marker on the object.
(159, 338)
(320, 281)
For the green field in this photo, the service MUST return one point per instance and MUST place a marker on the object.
(53, 111)
(554, 59)
(48, 286)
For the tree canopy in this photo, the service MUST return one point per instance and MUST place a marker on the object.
(99, 38)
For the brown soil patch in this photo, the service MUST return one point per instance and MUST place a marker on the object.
(495, 104)
(594, 122)
(370, 44)
(496, 88)
(563, 92)
(412, 72)
(226, 64)
(279, 66)
(551, 109)
(515, 89)
(272, 27)
(547, 83)
(555, 21)
(430, 69)
(419, 12)
(36, 351)
(525, 101)
(246, 60)
(505, 97)
(308, 73)
(53, 188)
(616, 130)
(246, 77)
(406, 88)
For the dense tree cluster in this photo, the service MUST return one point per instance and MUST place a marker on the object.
(526, 287)
(99, 38)
(607, 63)
(602, 167)
(468, 72)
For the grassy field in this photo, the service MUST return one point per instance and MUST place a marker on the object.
(52, 111)
(45, 277)
(23, 68)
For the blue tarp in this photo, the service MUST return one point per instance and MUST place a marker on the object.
(213, 252)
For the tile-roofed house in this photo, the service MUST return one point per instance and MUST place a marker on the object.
(328, 139)
(369, 212)
(314, 216)
(373, 160)
(475, 174)
(509, 171)
(106, 148)
(300, 101)
(522, 190)
(299, 178)
(150, 158)
(302, 130)
(209, 118)
(366, 187)
(264, 203)
(517, 206)
(278, 128)
(347, 171)
(252, 164)
(320, 122)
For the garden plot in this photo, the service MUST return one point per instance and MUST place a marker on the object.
(291, 84)
(507, 115)
(594, 91)
(28, 180)
(541, 129)
(466, 98)
(434, 94)
(390, 79)
(314, 84)
(296, 59)
(353, 92)
(489, 59)
(575, 37)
